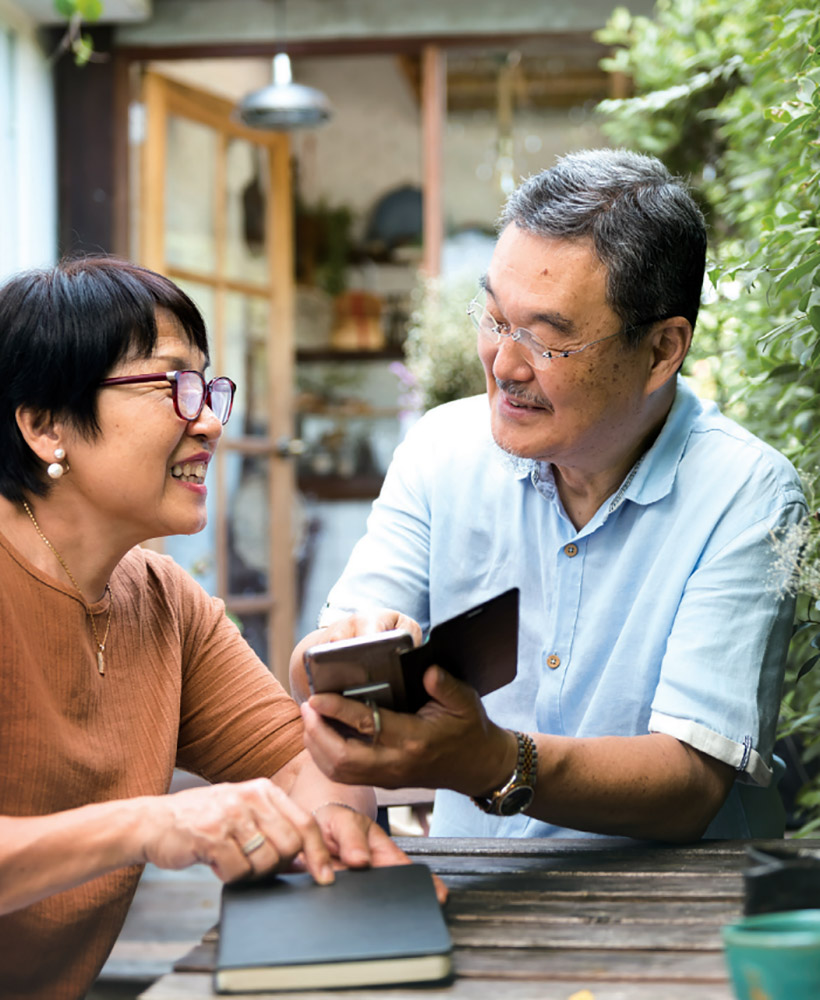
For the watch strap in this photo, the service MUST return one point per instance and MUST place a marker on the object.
(523, 778)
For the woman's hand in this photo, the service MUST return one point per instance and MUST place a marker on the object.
(238, 829)
(356, 841)
(361, 623)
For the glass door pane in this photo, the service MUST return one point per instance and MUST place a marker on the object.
(190, 225)
(246, 173)
(208, 223)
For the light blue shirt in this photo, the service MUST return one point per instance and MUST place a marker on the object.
(659, 615)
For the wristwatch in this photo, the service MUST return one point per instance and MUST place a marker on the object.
(516, 794)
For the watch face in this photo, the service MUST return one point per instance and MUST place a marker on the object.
(516, 800)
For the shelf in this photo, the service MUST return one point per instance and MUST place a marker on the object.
(340, 487)
(328, 354)
(349, 413)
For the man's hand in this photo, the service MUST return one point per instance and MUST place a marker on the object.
(448, 743)
(364, 623)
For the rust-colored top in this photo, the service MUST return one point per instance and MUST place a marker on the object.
(181, 688)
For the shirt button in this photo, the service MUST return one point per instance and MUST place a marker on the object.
(553, 661)
(571, 550)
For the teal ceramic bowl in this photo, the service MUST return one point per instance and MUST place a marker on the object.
(775, 956)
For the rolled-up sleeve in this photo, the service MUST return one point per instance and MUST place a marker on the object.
(721, 676)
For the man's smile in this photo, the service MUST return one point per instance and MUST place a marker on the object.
(519, 399)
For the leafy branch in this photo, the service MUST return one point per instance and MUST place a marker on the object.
(76, 13)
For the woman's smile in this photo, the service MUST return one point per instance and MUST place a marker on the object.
(192, 469)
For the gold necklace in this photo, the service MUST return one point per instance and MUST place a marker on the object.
(100, 645)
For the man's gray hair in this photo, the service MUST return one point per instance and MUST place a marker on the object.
(643, 223)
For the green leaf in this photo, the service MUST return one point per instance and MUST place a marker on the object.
(794, 124)
(794, 272)
(790, 368)
(807, 666)
(83, 49)
(90, 9)
(65, 8)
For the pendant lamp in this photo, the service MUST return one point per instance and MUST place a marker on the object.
(284, 105)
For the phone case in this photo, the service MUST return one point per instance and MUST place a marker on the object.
(366, 667)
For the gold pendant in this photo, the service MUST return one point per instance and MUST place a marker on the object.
(100, 663)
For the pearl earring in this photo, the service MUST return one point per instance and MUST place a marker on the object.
(55, 470)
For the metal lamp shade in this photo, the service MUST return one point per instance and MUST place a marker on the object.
(283, 104)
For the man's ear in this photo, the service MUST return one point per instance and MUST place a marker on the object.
(40, 432)
(669, 342)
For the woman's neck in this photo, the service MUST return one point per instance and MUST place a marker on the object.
(66, 546)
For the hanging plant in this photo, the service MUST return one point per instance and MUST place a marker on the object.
(76, 13)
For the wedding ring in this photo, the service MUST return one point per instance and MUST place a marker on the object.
(256, 841)
(377, 722)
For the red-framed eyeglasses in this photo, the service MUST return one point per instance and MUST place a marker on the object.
(190, 392)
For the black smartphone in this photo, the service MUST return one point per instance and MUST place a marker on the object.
(479, 646)
(367, 667)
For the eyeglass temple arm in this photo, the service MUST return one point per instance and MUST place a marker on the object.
(132, 379)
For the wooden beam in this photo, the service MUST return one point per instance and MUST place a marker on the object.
(84, 101)
(282, 474)
(561, 41)
(433, 114)
(121, 180)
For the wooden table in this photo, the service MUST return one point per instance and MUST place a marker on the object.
(560, 920)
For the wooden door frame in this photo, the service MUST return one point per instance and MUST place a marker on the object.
(163, 97)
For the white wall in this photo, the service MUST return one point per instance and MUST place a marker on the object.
(28, 206)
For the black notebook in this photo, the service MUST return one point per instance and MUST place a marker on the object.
(371, 927)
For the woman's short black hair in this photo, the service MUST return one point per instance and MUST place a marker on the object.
(62, 331)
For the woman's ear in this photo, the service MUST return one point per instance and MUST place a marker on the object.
(670, 341)
(40, 432)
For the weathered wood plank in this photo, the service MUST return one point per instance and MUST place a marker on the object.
(592, 965)
(635, 849)
(653, 864)
(490, 906)
(599, 886)
(608, 936)
(198, 987)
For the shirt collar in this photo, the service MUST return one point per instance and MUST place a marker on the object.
(656, 475)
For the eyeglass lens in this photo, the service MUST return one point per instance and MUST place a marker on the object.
(192, 394)
(487, 326)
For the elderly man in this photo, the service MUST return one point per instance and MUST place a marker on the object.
(634, 518)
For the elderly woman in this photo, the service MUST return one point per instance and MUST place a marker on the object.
(116, 666)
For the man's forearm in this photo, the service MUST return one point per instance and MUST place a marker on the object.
(649, 787)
